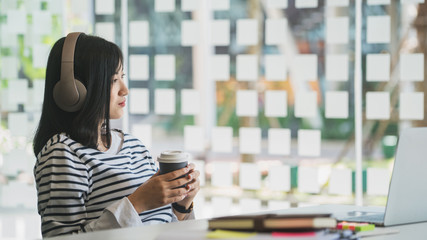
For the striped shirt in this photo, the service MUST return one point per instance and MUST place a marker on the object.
(82, 189)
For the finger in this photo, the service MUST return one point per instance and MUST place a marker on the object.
(178, 182)
(178, 192)
(193, 184)
(175, 174)
(191, 166)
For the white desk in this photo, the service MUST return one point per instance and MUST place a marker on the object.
(199, 227)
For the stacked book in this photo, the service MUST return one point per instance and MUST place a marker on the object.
(274, 222)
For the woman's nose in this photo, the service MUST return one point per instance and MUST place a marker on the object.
(124, 90)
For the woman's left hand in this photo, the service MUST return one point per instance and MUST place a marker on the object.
(193, 186)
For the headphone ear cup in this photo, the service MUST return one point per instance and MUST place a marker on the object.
(69, 97)
(81, 89)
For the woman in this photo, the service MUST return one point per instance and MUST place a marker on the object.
(88, 176)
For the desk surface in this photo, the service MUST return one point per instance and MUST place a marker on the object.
(199, 227)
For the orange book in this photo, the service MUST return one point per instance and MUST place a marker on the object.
(274, 222)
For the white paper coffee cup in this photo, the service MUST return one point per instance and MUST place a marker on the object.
(172, 160)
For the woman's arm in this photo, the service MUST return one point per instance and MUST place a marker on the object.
(62, 182)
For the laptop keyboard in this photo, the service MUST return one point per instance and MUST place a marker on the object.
(374, 218)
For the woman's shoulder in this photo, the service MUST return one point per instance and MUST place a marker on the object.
(57, 141)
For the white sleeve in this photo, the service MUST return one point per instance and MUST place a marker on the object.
(118, 215)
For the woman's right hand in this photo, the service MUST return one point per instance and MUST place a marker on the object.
(160, 190)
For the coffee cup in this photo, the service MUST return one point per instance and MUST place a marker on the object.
(172, 160)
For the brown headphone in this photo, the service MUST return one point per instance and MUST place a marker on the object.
(69, 93)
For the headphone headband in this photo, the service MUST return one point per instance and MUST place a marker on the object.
(69, 94)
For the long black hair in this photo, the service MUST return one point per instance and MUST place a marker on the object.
(95, 62)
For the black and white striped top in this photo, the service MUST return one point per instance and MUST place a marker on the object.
(82, 189)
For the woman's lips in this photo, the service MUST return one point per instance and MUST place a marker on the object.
(122, 104)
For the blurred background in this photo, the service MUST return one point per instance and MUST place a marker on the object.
(282, 103)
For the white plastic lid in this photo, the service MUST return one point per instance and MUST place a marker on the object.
(174, 156)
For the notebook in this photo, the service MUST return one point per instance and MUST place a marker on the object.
(407, 196)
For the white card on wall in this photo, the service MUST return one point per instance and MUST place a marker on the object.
(222, 174)
(164, 101)
(190, 102)
(278, 205)
(247, 67)
(279, 178)
(247, 103)
(275, 31)
(305, 67)
(55, 6)
(337, 30)
(220, 35)
(143, 132)
(38, 91)
(220, 67)
(340, 181)
(249, 205)
(16, 21)
(249, 176)
(17, 92)
(164, 5)
(276, 103)
(336, 104)
(279, 141)
(378, 2)
(222, 206)
(305, 104)
(200, 166)
(80, 7)
(7, 5)
(40, 55)
(220, 5)
(306, 3)
(378, 180)
(412, 67)
(309, 143)
(247, 32)
(42, 22)
(138, 67)
(279, 4)
(411, 106)
(190, 5)
(308, 180)
(194, 139)
(8, 39)
(275, 67)
(105, 30)
(16, 194)
(377, 67)
(378, 105)
(189, 33)
(139, 101)
(378, 29)
(139, 33)
(337, 3)
(249, 140)
(164, 67)
(411, 1)
(105, 7)
(9, 67)
(16, 161)
(336, 67)
(222, 139)
(18, 124)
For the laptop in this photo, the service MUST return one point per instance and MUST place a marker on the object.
(407, 196)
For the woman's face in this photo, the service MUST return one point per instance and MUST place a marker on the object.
(118, 94)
